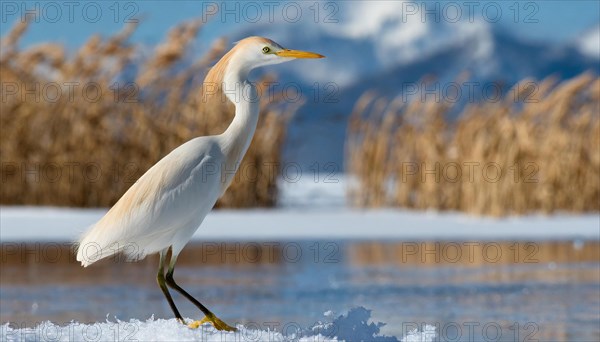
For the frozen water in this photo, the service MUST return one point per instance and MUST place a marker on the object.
(61, 224)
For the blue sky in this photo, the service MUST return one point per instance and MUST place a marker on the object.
(556, 21)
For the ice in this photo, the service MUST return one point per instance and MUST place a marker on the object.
(352, 326)
(427, 335)
(60, 224)
(314, 210)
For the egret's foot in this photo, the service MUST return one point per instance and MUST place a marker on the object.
(214, 321)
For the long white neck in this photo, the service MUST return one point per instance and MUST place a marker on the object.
(236, 139)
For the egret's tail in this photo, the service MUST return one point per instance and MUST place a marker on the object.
(93, 246)
(99, 243)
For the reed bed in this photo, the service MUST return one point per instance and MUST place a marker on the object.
(78, 129)
(530, 151)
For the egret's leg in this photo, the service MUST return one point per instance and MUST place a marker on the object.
(160, 278)
(209, 316)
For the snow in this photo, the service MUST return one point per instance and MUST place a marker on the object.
(589, 43)
(314, 208)
(57, 224)
(352, 326)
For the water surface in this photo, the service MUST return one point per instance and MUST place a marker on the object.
(498, 291)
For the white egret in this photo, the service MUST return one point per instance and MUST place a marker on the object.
(164, 208)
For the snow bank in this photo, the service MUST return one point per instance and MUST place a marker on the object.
(353, 326)
(56, 224)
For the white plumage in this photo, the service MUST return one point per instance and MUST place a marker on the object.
(164, 208)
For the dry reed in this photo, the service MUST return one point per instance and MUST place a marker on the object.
(75, 132)
(530, 151)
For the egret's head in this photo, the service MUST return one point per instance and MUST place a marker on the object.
(254, 52)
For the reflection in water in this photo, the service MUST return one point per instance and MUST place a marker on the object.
(470, 290)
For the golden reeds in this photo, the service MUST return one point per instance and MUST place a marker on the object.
(537, 149)
(78, 131)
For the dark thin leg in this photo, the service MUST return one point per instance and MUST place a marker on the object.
(160, 278)
(209, 316)
(171, 282)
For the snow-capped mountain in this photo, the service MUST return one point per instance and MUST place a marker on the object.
(589, 43)
(379, 48)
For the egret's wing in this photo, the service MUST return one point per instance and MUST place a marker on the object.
(167, 198)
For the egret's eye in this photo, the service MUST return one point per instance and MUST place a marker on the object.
(266, 49)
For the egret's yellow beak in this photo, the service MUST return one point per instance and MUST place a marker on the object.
(298, 54)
